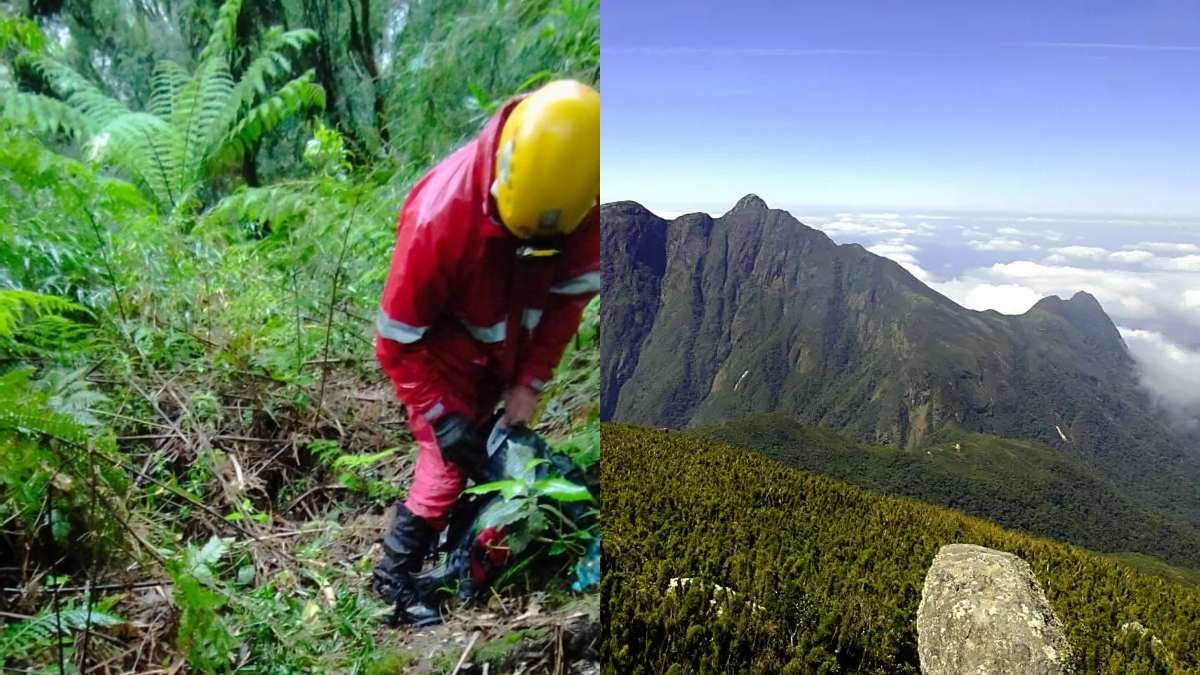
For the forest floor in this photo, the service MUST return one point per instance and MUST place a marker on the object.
(302, 532)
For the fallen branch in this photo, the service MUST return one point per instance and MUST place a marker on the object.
(113, 586)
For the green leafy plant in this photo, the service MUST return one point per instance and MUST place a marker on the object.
(527, 511)
(203, 636)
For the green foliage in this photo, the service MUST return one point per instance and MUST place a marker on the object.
(1018, 484)
(453, 69)
(528, 513)
(29, 636)
(196, 123)
(572, 390)
(837, 571)
(204, 635)
(20, 33)
(358, 471)
(16, 304)
(44, 449)
(154, 290)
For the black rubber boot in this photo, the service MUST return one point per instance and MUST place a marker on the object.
(404, 548)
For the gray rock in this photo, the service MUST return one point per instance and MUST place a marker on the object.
(982, 611)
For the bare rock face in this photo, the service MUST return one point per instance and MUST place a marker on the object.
(982, 611)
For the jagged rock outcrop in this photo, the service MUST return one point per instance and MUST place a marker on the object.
(982, 611)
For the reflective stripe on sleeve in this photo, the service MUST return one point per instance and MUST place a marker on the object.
(398, 331)
(434, 412)
(530, 318)
(584, 283)
(487, 334)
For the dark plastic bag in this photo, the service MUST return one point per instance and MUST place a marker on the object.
(474, 556)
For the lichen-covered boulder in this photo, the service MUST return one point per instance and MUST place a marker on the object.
(982, 611)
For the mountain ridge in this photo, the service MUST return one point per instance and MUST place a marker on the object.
(715, 318)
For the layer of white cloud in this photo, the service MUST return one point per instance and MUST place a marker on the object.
(979, 295)
(1168, 247)
(1170, 372)
(904, 253)
(847, 227)
(1082, 252)
(998, 244)
(1187, 263)
(1135, 256)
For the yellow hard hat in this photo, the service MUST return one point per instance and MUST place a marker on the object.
(548, 160)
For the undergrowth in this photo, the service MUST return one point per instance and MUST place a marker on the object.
(196, 447)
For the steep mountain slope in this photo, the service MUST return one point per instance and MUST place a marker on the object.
(710, 319)
(1018, 484)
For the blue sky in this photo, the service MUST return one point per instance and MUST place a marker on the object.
(1000, 151)
(1019, 107)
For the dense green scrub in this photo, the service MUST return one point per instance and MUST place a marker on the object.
(825, 577)
(1017, 483)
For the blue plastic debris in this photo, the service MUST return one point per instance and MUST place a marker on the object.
(587, 570)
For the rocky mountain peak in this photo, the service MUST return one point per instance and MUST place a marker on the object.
(750, 202)
(1085, 300)
(625, 209)
(1083, 311)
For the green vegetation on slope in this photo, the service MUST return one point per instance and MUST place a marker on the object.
(1016, 483)
(826, 577)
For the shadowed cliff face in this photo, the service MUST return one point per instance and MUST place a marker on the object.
(631, 270)
(710, 319)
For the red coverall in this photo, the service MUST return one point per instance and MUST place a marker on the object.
(462, 318)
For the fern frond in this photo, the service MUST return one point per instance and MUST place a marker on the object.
(274, 205)
(216, 90)
(42, 114)
(24, 637)
(197, 114)
(15, 302)
(224, 32)
(99, 108)
(147, 147)
(269, 64)
(288, 101)
(168, 79)
(24, 412)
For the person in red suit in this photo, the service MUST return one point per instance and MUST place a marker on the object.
(497, 254)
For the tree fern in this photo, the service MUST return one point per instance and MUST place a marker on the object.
(147, 147)
(194, 123)
(99, 108)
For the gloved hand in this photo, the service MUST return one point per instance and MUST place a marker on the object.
(461, 444)
(519, 404)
